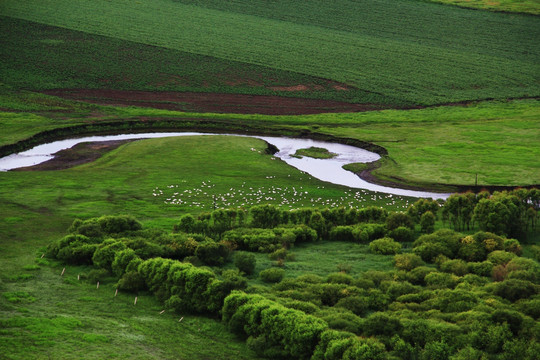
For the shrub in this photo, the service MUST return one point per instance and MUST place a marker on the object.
(523, 268)
(245, 262)
(118, 224)
(402, 234)
(357, 304)
(97, 275)
(397, 219)
(364, 233)
(407, 262)
(131, 281)
(439, 280)
(514, 289)
(417, 275)
(381, 324)
(483, 268)
(339, 278)
(500, 257)
(342, 233)
(512, 245)
(145, 249)
(385, 246)
(279, 254)
(106, 252)
(212, 253)
(121, 260)
(272, 275)
(74, 249)
(457, 267)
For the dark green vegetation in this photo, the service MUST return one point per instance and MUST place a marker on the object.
(315, 152)
(414, 53)
(449, 294)
(100, 63)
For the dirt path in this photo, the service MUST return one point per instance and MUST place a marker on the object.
(211, 102)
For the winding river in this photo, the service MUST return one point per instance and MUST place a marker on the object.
(329, 170)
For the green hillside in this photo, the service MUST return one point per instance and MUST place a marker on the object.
(406, 50)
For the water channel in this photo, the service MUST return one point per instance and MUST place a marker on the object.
(329, 170)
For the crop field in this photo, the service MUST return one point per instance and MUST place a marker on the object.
(412, 53)
(100, 64)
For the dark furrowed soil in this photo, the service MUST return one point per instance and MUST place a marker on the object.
(211, 102)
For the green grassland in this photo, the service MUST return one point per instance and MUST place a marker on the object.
(441, 145)
(412, 53)
(59, 315)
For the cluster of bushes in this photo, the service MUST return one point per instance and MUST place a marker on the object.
(454, 296)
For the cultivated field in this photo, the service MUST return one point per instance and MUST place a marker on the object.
(414, 53)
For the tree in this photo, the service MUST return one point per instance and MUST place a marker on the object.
(458, 209)
(427, 222)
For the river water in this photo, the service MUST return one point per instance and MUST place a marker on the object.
(329, 170)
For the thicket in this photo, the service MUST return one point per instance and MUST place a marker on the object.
(450, 296)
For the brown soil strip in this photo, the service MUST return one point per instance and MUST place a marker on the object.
(79, 154)
(211, 102)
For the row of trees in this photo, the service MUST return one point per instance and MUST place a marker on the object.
(505, 213)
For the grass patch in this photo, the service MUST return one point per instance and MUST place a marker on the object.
(324, 257)
(315, 152)
(356, 167)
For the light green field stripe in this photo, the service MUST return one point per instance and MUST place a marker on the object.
(402, 69)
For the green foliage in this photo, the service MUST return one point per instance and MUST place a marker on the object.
(272, 275)
(397, 219)
(407, 261)
(73, 249)
(105, 253)
(385, 246)
(427, 222)
(253, 315)
(381, 324)
(245, 262)
(212, 253)
(500, 257)
(121, 261)
(515, 289)
(457, 267)
(402, 234)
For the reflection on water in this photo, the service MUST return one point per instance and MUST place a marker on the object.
(329, 170)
